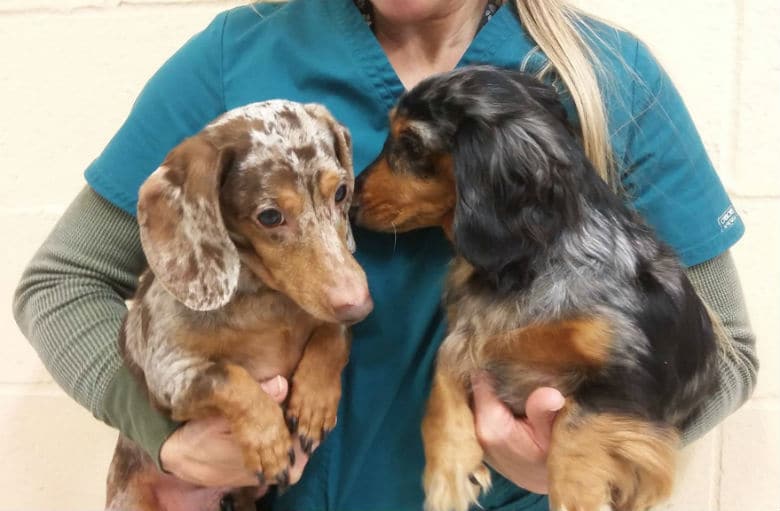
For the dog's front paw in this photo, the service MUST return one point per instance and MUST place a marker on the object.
(455, 484)
(313, 406)
(267, 445)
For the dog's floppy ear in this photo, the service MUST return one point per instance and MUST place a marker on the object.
(510, 202)
(342, 146)
(182, 230)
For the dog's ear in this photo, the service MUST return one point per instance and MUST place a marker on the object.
(182, 230)
(510, 203)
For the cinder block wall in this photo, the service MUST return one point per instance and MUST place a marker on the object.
(70, 70)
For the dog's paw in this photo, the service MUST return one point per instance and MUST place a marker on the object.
(266, 445)
(577, 507)
(574, 497)
(455, 485)
(312, 410)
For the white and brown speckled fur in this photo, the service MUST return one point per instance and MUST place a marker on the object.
(228, 301)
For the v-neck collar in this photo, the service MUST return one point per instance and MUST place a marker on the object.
(371, 58)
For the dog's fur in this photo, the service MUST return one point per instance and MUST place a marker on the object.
(234, 295)
(555, 283)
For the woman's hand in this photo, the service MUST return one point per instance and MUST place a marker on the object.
(516, 448)
(204, 452)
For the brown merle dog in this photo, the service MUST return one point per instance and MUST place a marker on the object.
(246, 233)
(555, 283)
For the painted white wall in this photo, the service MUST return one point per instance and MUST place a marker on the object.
(70, 70)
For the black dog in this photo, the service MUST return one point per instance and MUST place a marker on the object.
(556, 282)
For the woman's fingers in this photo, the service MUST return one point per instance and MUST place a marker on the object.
(516, 448)
(276, 387)
(541, 407)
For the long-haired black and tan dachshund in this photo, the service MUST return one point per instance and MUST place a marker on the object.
(556, 282)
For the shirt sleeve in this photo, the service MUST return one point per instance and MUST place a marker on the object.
(667, 173)
(184, 95)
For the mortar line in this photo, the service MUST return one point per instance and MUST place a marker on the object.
(122, 5)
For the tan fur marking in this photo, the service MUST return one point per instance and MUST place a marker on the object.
(452, 452)
(399, 201)
(290, 201)
(329, 182)
(565, 344)
(606, 459)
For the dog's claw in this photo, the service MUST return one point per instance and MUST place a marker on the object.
(291, 454)
(307, 444)
(283, 480)
(226, 503)
(292, 424)
(260, 478)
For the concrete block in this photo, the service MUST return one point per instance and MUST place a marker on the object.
(55, 455)
(759, 72)
(751, 458)
(26, 6)
(756, 257)
(69, 91)
(696, 484)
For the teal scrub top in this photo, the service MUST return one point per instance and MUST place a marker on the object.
(323, 51)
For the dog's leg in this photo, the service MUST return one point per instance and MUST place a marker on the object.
(316, 385)
(608, 461)
(127, 486)
(255, 419)
(454, 472)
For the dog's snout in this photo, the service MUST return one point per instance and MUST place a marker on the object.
(351, 301)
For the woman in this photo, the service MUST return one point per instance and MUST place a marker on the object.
(357, 58)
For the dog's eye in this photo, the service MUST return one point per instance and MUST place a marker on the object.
(341, 193)
(270, 217)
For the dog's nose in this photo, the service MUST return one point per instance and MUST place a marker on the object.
(351, 306)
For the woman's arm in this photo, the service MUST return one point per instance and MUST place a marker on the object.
(70, 304)
(717, 283)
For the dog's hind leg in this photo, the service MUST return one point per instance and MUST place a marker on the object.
(608, 461)
(127, 486)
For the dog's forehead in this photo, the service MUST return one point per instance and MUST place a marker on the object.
(280, 131)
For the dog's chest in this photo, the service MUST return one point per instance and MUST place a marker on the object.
(263, 332)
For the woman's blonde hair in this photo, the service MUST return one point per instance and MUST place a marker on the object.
(552, 24)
